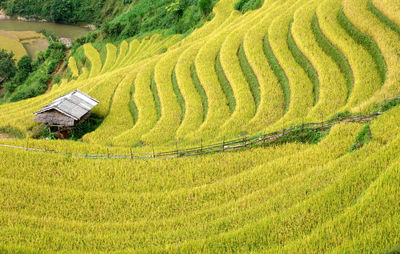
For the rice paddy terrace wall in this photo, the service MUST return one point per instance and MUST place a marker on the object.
(285, 64)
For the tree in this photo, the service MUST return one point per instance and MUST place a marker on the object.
(189, 19)
(61, 10)
(206, 6)
(112, 30)
(25, 64)
(24, 69)
(7, 66)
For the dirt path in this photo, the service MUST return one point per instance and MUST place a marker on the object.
(4, 136)
(3, 15)
(57, 71)
(8, 35)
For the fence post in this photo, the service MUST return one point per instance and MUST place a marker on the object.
(130, 150)
(152, 147)
(27, 144)
(223, 145)
(177, 150)
(322, 120)
(244, 141)
(201, 146)
(108, 154)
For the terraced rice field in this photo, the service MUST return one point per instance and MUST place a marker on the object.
(287, 63)
(11, 42)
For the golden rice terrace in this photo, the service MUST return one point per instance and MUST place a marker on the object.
(288, 63)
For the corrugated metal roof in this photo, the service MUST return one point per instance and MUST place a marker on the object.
(75, 105)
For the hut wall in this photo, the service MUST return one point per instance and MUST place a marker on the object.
(55, 118)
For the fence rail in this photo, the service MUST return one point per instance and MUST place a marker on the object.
(229, 145)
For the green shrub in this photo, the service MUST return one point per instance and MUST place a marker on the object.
(305, 136)
(191, 16)
(40, 131)
(7, 65)
(248, 5)
(363, 138)
(11, 131)
(206, 6)
(87, 126)
(57, 78)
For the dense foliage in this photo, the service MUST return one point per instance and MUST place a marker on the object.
(64, 11)
(32, 77)
(248, 5)
(120, 19)
(7, 65)
(176, 16)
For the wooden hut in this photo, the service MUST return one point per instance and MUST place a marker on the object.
(67, 111)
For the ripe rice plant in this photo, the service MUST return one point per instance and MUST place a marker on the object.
(222, 11)
(94, 57)
(367, 42)
(301, 89)
(178, 94)
(335, 54)
(337, 198)
(273, 83)
(21, 115)
(234, 76)
(104, 92)
(244, 108)
(72, 66)
(195, 104)
(225, 85)
(218, 110)
(304, 62)
(294, 161)
(364, 186)
(147, 114)
(200, 90)
(331, 83)
(134, 48)
(111, 57)
(11, 43)
(250, 76)
(386, 12)
(147, 48)
(119, 117)
(122, 50)
(170, 119)
(384, 49)
(366, 77)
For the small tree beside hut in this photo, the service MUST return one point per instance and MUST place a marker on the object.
(66, 112)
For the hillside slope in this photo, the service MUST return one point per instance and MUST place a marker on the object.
(11, 42)
(238, 74)
(288, 63)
